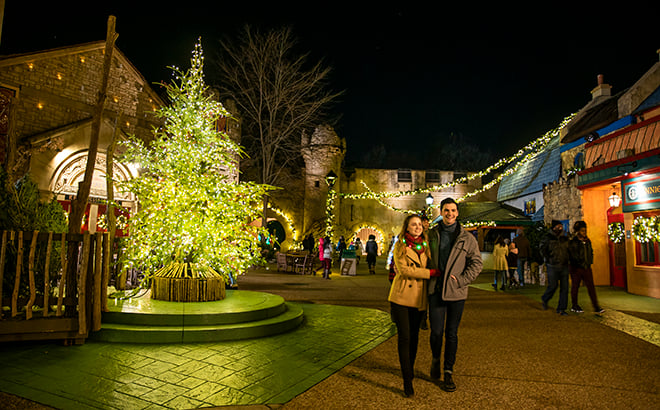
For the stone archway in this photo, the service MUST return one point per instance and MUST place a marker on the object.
(71, 171)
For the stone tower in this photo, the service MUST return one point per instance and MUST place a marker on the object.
(323, 152)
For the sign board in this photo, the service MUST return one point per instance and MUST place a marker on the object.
(641, 193)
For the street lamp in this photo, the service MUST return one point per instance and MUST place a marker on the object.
(331, 178)
(429, 200)
(614, 199)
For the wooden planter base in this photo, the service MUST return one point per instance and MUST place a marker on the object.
(188, 289)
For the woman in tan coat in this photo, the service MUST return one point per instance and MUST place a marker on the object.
(408, 295)
(500, 252)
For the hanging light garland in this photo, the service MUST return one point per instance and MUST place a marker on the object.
(532, 149)
(330, 212)
(615, 231)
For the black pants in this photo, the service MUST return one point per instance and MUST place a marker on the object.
(444, 318)
(407, 321)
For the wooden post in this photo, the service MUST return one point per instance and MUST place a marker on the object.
(98, 266)
(82, 286)
(2, 266)
(107, 249)
(19, 267)
(49, 247)
(33, 287)
(63, 263)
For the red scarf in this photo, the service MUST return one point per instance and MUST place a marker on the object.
(416, 244)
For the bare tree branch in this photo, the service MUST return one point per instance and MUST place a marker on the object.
(279, 95)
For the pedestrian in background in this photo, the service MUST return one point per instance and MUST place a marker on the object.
(455, 254)
(500, 252)
(359, 248)
(408, 294)
(341, 247)
(580, 258)
(512, 261)
(372, 251)
(327, 257)
(554, 248)
(524, 254)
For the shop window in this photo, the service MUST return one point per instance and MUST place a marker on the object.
(647, 253)
(530, 207)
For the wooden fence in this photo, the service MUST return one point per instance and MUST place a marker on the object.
(69, 309)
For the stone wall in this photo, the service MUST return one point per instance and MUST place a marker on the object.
(562, 200)
(60, 87)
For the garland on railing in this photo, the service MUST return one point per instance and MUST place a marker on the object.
(616, 232)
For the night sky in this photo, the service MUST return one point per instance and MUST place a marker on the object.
(501, 77)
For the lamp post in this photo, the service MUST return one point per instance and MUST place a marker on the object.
(330, 179)
(429, 202)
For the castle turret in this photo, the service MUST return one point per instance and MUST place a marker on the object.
(323, 152)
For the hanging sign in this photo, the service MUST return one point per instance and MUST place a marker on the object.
(641, 193)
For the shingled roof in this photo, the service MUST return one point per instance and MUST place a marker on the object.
(544, 168)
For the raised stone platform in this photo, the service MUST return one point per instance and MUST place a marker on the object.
(241, 315)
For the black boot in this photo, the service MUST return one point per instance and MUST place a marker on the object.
(449, 383)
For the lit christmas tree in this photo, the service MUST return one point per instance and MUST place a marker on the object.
(192, 222)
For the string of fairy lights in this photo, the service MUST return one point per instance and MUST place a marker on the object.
(525, 154)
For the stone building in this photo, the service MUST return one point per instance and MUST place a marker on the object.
(51, 99)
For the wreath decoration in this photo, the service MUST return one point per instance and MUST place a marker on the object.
(646, 229)
(616, 232)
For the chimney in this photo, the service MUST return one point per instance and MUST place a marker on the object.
(601, 90)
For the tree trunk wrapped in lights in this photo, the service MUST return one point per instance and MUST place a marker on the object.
(191, 231)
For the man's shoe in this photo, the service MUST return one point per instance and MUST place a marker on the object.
(577, 309)
(424, 325)
(599, 310)
(545, 305)
(562, 313)
(435, 368)
(449, 384)
(494, 286)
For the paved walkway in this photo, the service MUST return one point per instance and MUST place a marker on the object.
(511, 354)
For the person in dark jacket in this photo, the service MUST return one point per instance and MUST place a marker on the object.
(554, 249)
(372, 251)
(580, 258)
(524, 254)
(455, 254)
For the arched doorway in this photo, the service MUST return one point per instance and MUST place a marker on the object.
(277, 232)
(363, 232)
(71, 171)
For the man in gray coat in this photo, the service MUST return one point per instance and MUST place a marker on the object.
(455, 252)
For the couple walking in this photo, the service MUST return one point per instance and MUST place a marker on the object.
(432, 273)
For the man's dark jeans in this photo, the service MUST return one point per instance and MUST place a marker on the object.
(557, 276)
(444, 318)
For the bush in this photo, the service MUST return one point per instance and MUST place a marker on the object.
(22, 209)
